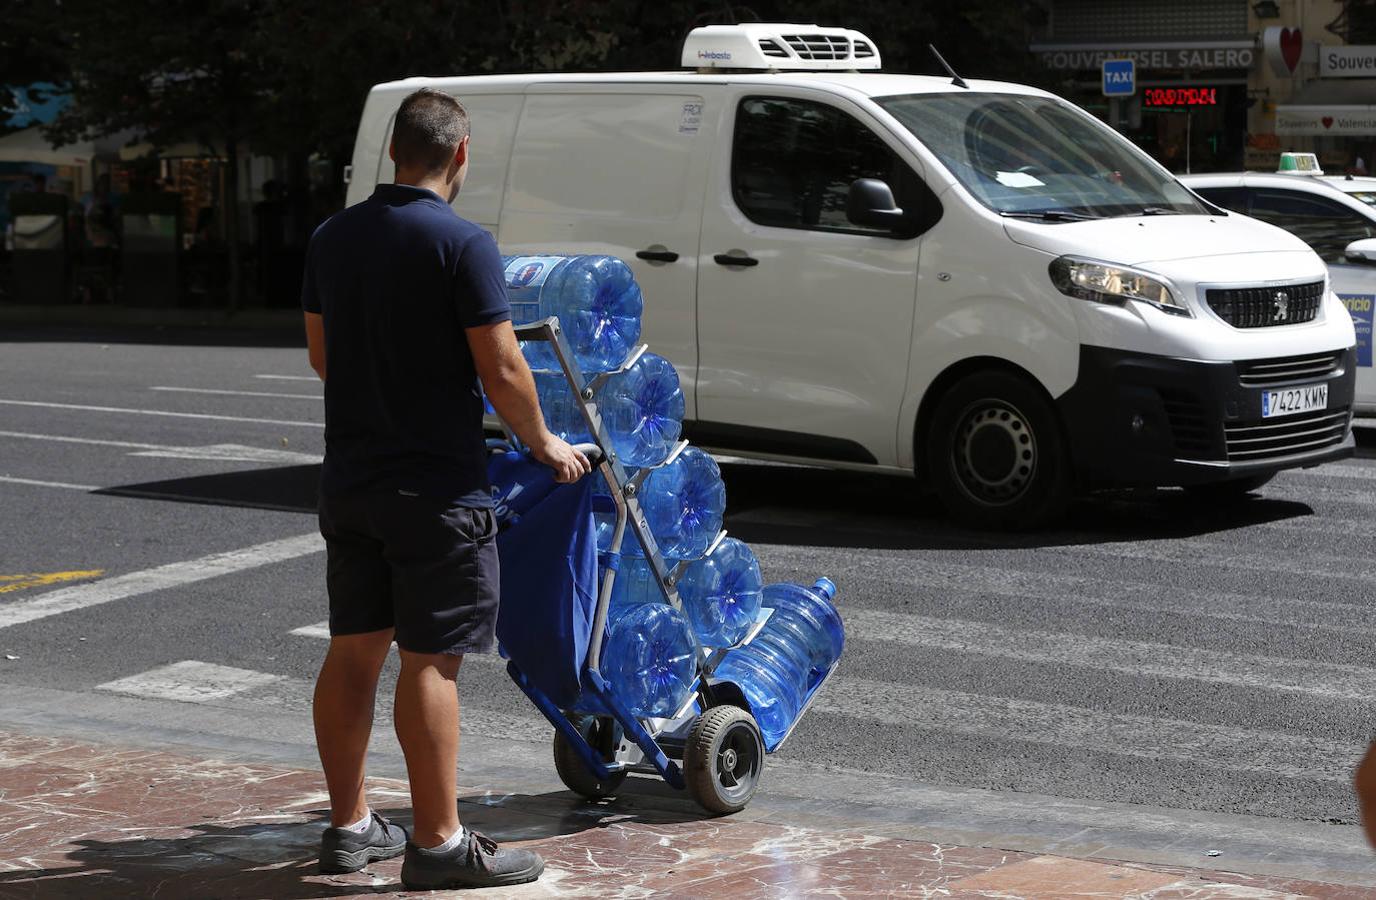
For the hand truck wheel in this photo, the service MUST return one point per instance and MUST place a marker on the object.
(723, 759)
(603, 735)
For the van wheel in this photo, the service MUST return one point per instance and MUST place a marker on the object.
(996, 454)
(1228, 491)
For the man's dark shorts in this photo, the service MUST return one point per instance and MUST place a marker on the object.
(426, 567)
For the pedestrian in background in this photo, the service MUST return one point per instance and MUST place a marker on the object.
(406, 306)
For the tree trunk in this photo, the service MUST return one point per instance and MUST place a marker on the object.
(236, 281)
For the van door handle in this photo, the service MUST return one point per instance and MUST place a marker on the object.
(657, 255)
(726, 259)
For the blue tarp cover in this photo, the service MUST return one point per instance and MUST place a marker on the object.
(549, 581)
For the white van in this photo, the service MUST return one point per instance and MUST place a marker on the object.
(977, 283)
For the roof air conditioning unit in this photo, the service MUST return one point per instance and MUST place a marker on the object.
(769, 45)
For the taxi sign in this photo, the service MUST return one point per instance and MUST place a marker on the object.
(1120, 77)
(1299, 164)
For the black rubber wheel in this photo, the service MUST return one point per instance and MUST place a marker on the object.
(723, 759)
(1229, 491)
(603, 735)
(996, 454)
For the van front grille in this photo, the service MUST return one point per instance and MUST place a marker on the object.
(1288, 369)
(1261, 307)
(1287, 436)
(818, 46)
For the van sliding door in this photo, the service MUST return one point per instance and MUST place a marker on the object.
(606, 168)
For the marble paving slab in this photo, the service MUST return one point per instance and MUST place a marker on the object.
(81, 820)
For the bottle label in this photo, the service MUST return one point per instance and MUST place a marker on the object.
(525, 278)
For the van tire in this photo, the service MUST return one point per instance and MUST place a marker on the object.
(996, 454)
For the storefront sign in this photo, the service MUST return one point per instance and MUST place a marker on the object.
(1238, 56)
(1347, 62)
(1184, 96)
(1312, 120)
(1284, 49)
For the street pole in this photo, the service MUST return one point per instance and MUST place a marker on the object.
(1189, 121)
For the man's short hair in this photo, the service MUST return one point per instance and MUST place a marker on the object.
(429, 126)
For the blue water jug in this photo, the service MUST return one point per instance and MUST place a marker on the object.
(648, 658)
(683, 503)
(563, 414)
(595, 297)
(636, 581)
(810, 618)
(773, 701)
(785, 656)
(642, 408)
(721, 593)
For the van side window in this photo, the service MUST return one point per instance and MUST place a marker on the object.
(1326, 226)
(793, 162)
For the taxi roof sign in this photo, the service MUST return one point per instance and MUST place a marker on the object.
(1299, 164)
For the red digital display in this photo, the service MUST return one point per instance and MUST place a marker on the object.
(1202, 96)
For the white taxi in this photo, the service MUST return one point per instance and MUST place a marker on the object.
(1335, 215)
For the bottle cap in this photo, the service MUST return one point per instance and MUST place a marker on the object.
(826, 587)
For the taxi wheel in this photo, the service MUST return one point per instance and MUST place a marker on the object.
(1229, 491)
(996, 453)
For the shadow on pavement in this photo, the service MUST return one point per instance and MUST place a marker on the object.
(821, 508)
(278, 860)
(829, 508)
(286, 488)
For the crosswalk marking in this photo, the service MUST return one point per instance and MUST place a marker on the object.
(1074, 727)
(190, 681)
(318, 630)
(1139, 658)
(228, 393)
(161, 578)
(81, 407)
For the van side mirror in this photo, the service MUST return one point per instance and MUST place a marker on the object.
(870, 203)
(1361, 251)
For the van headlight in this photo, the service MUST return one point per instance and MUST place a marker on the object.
(1101, 282)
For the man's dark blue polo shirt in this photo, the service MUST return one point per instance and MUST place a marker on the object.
(398, 278)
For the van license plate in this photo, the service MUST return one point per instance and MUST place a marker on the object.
(1294, 400)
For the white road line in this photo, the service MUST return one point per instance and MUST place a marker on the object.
(289, 377)
(190, 681)
(1138, 658)
(159, 412)
(318, 630)
(187, 390)
(937, 578)
(161, 578)
(1304, 757)
(211, 452)
(53, 484)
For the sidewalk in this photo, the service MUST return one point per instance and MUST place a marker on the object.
(80, 820)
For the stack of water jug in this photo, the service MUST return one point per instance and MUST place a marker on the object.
(649, 655)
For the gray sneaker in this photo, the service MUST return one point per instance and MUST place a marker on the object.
(344, 851)
(475, 862)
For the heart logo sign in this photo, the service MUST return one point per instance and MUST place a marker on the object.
(1327, 121)
(1291, 46)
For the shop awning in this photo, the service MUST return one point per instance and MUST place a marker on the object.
(30, 146)
(1341, 107)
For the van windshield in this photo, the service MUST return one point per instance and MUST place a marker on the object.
(1039, 157)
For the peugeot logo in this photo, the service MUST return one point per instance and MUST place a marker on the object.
(1282, 301)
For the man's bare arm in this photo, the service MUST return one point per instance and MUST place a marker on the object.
(315, 342)
(511, 389)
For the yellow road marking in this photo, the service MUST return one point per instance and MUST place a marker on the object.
(38, 579)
